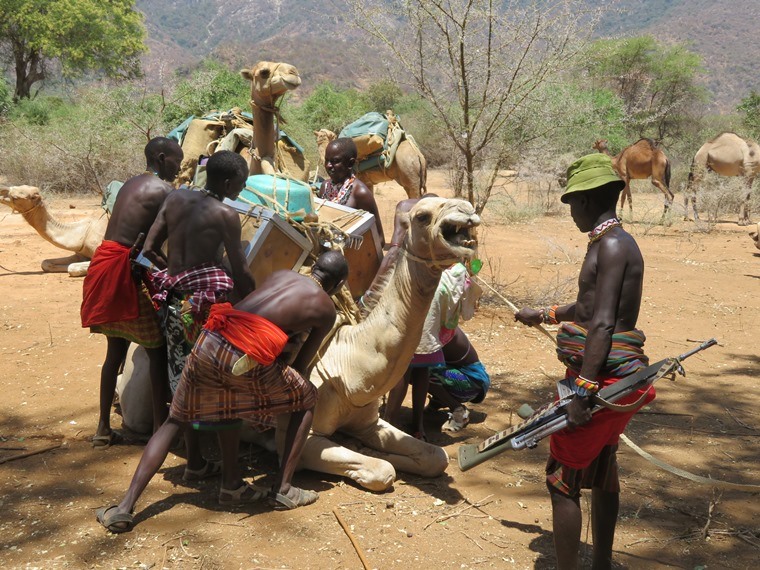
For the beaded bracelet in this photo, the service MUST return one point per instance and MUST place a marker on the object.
(586, 384)
(549, 315)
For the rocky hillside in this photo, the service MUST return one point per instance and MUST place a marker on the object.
(316, 36)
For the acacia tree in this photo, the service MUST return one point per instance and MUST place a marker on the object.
(657, 83)
(81, 35)
(478, 63)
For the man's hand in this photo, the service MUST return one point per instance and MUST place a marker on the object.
(528, 316)
(578, 412)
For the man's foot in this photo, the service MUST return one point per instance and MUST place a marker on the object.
(459, 418)
(293, 499)
(243, 495)
(114, 521)
(107, 440)
(210, 469)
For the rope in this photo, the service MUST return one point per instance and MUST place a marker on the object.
(687, 475)
(514, 308)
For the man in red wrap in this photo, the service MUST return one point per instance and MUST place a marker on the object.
(197, 224)
(116, 301)
(250, 361)
(599, 344)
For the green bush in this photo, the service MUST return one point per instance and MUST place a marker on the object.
(6, 97)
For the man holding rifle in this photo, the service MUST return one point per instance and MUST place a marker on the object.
(599, 344)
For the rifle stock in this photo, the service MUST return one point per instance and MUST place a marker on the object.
(552, 417)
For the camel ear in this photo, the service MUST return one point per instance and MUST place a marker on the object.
(246, 73)
(404, 220)
(316, 133)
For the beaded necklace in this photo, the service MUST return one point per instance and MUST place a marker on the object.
(211, 193)
(317, 281)
(597, 233)
(339, 194)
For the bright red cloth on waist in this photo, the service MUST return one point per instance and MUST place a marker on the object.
(578, 448)
(258, 337)
(109, 292)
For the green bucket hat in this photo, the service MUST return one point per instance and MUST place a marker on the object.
(590, 172)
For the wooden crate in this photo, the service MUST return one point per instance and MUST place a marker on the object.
(269, 242)
(364, 261)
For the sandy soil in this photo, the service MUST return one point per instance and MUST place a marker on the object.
(698, 285)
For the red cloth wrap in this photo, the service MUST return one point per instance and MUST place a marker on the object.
(258, 337)
(109, 292)
(578, 448)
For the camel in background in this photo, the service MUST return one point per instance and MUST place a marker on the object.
(640, 161)
(269, 82)
(728, 154)
(408, 169)
(82, 237)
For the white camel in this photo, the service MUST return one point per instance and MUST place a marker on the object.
(363, 362)
(82, 237)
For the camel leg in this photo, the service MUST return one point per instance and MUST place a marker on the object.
(321, 454)
(403, 451)
(744, 219)
(61, 264)
(667, 194)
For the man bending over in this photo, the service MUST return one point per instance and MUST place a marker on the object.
(249, 362)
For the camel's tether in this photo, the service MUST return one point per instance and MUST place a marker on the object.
(657, 462)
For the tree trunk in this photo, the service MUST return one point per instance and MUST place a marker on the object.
(29, 69)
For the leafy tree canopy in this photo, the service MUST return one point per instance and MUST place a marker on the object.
(657, 83)
(80, 35)
(750, 111)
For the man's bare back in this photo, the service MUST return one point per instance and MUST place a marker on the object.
(300, 306)
(198, 224)
(141, 197)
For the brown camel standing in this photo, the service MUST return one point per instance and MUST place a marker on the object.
(640, 161)
(728, 154)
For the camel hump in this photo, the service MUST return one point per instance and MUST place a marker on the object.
(653, 144)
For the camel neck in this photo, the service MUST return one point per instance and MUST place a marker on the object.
(69, 236)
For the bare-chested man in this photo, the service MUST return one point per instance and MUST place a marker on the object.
(599, 344)
(116, 301)
(343, 187)
(199, 227)
(249, 361)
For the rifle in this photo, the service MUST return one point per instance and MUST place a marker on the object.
(553, 417)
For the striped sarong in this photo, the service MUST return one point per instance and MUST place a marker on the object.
(580, 449)
(209, 392)
(626, 354)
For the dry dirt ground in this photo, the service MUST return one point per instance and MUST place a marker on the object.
(698, 285)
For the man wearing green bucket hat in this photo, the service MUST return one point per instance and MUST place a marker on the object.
(599, 344)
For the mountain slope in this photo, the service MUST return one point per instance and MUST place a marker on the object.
(316, 36)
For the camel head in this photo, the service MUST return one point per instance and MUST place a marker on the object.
(20, 198)
(270, 81)
(600, 145)
(442, 229)
(324, 137)
(755, 235)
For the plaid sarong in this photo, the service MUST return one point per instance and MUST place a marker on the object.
(602, 473)
(209, 392)
(185, 302)
(144, 330)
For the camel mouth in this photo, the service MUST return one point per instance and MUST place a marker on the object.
(461, 234)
